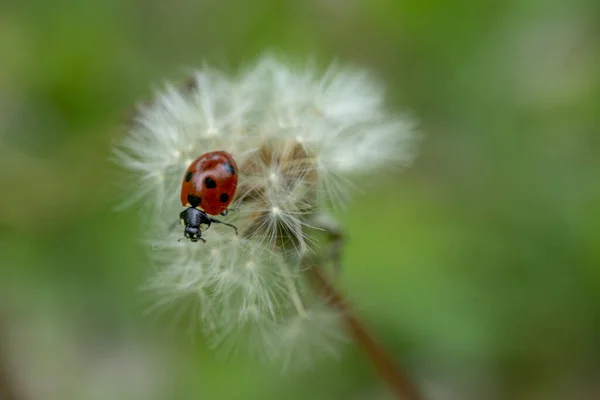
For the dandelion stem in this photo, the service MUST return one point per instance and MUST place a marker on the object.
(8, 390)
(397, 380)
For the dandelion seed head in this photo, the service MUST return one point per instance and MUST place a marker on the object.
(302, 137)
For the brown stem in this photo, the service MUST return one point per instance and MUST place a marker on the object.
(397, 380)
(8, 389)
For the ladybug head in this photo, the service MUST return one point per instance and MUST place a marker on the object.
(193, 218)
(192, 233)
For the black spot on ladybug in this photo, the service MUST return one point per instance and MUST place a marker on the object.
(229, 168)
(194, 200)
(188, 176)
(224, 197)
(210, 183)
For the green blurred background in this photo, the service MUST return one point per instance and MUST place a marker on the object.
(479, 267)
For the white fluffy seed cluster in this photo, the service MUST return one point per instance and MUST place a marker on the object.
(300, 137)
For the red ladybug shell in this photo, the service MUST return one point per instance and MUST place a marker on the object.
(210, 182)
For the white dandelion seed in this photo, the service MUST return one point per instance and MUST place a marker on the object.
(300, 138)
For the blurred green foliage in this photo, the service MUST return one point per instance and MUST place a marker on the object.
(479, 267)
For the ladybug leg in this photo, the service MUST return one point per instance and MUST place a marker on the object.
(216, 221)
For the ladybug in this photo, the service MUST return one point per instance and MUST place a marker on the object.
(208, 188)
